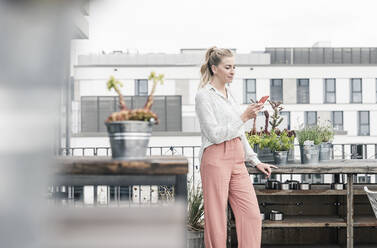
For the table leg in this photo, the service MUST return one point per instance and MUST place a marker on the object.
(349, 210)
(181, 188)
(181, 195)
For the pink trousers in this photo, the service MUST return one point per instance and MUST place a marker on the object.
(224, 175)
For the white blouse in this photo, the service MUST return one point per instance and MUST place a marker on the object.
(220, 120)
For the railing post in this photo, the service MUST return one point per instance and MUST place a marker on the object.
(349, 210)
(343, 155)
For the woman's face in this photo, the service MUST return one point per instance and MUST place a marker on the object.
(225, 70)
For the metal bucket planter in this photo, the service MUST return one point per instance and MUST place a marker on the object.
(325, 151)
(291, 155)
(265, 155)
(195, 239)
(309, 154)
(129, 139)
(281, 157)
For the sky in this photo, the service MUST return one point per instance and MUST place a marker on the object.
(169, 25)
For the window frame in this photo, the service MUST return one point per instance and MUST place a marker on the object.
(326, 92)
(246, 91)
(306, 118)
(333, 119)
(353, 91)
(137, 87)
(272, 81)
(359, 122)
(297, 90)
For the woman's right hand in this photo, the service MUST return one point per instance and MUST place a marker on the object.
(251, 111)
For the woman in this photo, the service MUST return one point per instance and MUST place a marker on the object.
(223, 153)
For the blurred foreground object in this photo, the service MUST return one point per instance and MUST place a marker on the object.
(34, 69)
(157, 227)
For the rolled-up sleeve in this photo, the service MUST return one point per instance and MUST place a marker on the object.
(210, 127)
(250, 155)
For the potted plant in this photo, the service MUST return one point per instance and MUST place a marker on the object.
(260, 140)
(280, 142)
(195, 218)
(130, 129)
(309, 140)
(327, 135)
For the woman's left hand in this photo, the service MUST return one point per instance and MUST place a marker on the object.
(265, 168)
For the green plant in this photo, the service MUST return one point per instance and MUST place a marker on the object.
(281, 142)
(311, 133)
(326, 131)
(276, 117)
(275, 140)
(195, 220)
(143, 114)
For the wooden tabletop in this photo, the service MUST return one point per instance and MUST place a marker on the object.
(344, 166)
(103, 165)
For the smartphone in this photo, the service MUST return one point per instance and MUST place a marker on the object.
(263, 99)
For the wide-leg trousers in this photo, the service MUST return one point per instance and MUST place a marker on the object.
(224, 175)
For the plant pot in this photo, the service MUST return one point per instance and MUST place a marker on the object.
(291, 155)
(281, 157)
(129, 139)
(265, 155)
(309, 154)
(325, 151)
(195, 239)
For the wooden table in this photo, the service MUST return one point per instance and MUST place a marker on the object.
(348, 167)
(154, 170)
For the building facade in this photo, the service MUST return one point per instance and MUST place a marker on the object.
(340, 92)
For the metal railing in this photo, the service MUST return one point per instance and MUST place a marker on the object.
(340, 151)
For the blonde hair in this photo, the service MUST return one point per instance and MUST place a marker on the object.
(213, 56)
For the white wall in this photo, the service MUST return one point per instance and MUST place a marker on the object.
(237, 89)
(316, 90)
(369, 90)
(97, 87)
(263, 87)
(297, 119)
(342, 90)
(350, 122)
(373, 123)
(92, 82)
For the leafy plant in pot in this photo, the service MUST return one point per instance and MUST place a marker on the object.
(309, 139)
(260, 140)
(129, 130)
(280, 142)
(327, 135)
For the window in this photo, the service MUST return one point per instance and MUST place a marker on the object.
(330, 90)
(141, 87)
(286, 123)
(303, 91)
(95, 110)
(363, 123)
(337, 120)
(310, 118)
(356, 151)
(356, 90)
(276, 90)
(249, 90)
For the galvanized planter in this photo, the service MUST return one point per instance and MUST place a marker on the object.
(195, 239)
(281, 157)
(129, 139)
(266, 155)
(309, 154)
(325, 151)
